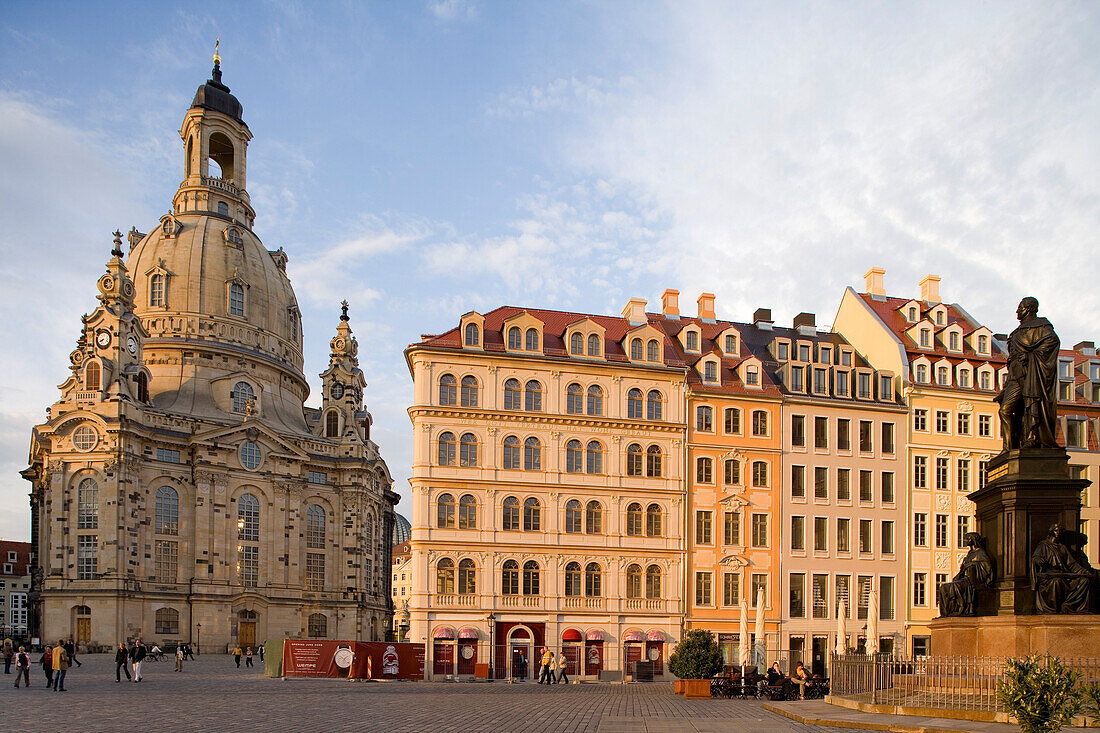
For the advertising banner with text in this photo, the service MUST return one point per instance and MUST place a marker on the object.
(367, 659)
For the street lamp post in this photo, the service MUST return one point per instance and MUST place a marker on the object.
(491, 618)
(198, 637)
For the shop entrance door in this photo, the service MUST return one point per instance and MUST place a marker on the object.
(467, 656)
(521, 660)
(820, 649)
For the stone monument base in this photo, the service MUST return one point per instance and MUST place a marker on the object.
(1017, 636)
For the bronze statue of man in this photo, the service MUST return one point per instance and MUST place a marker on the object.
(1030, 395)
(960, 596)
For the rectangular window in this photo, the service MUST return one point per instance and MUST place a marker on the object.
(888, 438)
(703, 595)
(963, 474)
(248, 565)
(731, 528)
(843, 434)
(798, 533)
(1075, 433)
(941, 421)
(865, 490)
(866, 444)
(821, 482)
(920, 472)
(819, 381)
(166, 561)
(843, 484)
(985, 426)
(731, 589)
(731, 344)
(842, 534)
(886, 598)
(803, 352)
(798, 430)
(941, 474)
(885, 388)
(704, 470)
(821, 534)
(702, 527)
(782, 351)
(798, 595)
(962, 423)
(963, 526)
(920, 420)
(865, 535)
(798, 482)
(863, 595)
(842, 584)
(796, 379)
(759, 530)
(703, 419)
(759, 584)
(733, 421)
(887, 487)
(318, 477)
(919, 583)
(87, 557)
(820, 590)
(825, 354)
(941, 530)
(166, 455)
(315, 571)
(842, 384)
(887, 537)
(821, 432)
(983, 473)
(864, 386)
(941, 578)
(920, 529)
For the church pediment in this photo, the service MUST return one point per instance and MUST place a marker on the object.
(254, 430)
(734, 500)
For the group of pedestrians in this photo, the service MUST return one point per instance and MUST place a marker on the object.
(55, 660)
(248, 655)
(552, 667)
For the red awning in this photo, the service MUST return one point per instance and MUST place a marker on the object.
(594, 635)
(443, 632)
(633, 635)
(655, 635)
(572, 635)
(467, 632)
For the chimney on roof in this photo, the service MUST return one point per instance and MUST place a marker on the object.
(762, 318)
(634, 312)
(805, 324)
(706, 307)
(1088, 348)
(670, 304)
(874, 281)
(930, 288)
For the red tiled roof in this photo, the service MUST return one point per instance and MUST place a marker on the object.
(22, 552)
(888, 309)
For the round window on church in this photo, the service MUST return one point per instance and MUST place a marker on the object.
(85, 438)
(250, 455)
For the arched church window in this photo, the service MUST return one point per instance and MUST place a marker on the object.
(236, 299)
(332, 424)
(223, 208)
(241, 395)
(156, 290)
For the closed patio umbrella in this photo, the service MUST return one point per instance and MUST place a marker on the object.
(761, 641)
(743, 635)
(841, 631)
(872, 623)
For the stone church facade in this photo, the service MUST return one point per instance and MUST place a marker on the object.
(181, 490)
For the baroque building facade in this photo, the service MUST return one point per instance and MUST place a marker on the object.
(181, 489)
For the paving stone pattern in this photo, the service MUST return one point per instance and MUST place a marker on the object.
(212, 695)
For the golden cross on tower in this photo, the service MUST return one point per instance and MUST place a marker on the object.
(217, 56)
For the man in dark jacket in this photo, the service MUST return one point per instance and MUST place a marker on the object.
(121, 657)
(70, 649)
(137, 656)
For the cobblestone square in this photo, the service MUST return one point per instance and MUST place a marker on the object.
(212, 695)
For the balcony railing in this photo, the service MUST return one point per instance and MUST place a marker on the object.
(221, 184)
(586, 603)
(456, 599)
(644, 604)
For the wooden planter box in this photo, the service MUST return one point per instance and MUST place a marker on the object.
(678, 687)
(696, 689)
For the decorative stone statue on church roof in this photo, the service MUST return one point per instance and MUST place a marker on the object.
(1029, 398)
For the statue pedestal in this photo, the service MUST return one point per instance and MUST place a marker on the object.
(1026, 492)
(1065, 636)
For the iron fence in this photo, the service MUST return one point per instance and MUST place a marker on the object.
(942, 683)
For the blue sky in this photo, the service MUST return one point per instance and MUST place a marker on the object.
(427, 158)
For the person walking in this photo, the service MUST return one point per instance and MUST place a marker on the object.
(544, 665)
(260, 651)
(23, 667)
(248, 657)
(237, 656)
(137, 657)
(121, 657)
(562, 664)
(70, 649)
(553, 668)
(60, 665)
(9, 652)
(187, 652)
(179, 658)
(47, 665)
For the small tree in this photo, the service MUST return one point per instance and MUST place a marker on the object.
(697, 656)
(1040, 693)
(1092, 702)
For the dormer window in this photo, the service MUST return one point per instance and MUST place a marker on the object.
(953, 341)
(983, 344)
(710, 371)
(964, 378)
(514, 338)
(825, 354)
(593, 345)
(846, 358)
(939, 318)
(912, 314)
(472, 336)
(636, 349)
(236, 299)
(804, 352)
(942, 376)
(731, 344)
(922, 373)
(653, 351)
(797, 385)
(885, 388)
(532, 339)
(782, 351)
(156, 290)
(576, 344)
(752, 376)
(925, 338)
(691, 341)
(985, 381)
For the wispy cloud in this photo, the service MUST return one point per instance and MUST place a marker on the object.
(453, 9)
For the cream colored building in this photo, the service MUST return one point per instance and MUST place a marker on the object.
(547, 491)
(180, 488)
(950, 367)
(401, 584)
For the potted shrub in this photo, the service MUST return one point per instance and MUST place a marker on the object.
(1040, 693)
(696, 659)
